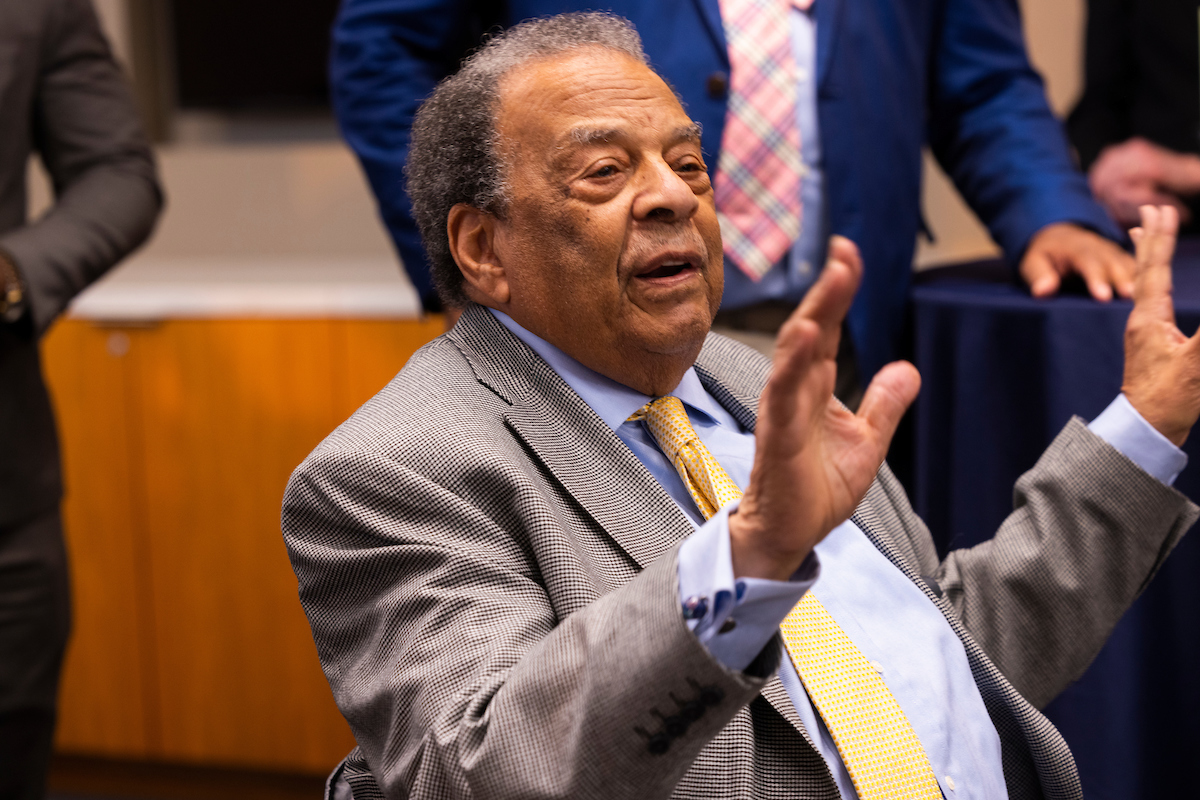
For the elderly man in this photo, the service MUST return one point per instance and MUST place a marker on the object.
(528, 564)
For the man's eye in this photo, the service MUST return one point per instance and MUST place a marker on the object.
(607, 171)
(690, 166)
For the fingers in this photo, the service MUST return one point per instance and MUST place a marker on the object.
(811, 335)
(1155, 242)
(1061, 248)
(795, 352)
(891, 392)
(1095, 274)
(1183, 176)
(1122, 270)
(827, 302)
(1105, 271)
(1038, 271)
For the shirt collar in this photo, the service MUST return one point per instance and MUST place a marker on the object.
(613, 402)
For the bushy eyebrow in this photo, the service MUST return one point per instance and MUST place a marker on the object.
(586, 136)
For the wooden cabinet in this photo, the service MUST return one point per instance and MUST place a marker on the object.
(189, 643)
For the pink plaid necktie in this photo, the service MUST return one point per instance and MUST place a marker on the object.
(758, 174)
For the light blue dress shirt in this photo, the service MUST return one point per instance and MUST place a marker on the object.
(791, 277)
(918, 655)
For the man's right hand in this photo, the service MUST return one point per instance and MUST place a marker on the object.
(814, 459)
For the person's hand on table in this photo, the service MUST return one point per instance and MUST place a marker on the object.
(1137, 172)
(814, 459)
(1162, 366)
(1061, 249)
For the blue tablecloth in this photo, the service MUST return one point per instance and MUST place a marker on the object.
(1002, 374)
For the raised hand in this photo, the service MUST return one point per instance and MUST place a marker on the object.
(814, 459)
(1162, 366)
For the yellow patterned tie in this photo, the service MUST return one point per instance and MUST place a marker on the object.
(874, 738)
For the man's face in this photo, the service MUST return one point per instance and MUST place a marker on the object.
(611, 244)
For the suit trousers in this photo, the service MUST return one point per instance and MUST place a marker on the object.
(35, 619)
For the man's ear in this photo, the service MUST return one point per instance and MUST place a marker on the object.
(472, 236)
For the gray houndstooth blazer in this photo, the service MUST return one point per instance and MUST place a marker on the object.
(490, 578)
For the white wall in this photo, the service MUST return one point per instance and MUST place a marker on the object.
(246, 199)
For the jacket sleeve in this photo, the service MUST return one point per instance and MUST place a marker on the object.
(455, 672)
(992, 131)
(1089, 529)
(386, 57)
(87, 131)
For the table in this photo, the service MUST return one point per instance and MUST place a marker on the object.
(1002, 374)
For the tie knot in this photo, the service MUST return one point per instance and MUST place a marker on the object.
(708, 484)
(668, 423)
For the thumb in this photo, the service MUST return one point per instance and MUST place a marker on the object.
(891, 392)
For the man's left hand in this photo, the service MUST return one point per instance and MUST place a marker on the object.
(1162, 366)
(1061, 249)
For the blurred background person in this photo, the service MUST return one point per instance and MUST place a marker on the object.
(821, 118)
(63, 96)
(1137, 126)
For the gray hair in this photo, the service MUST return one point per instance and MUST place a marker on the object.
(454, 155)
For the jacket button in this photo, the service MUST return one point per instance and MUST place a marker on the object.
(711, 695)
(692, 711)
(717, 85)
(659, 744)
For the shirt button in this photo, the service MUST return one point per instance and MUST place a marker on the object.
(950, 783)
(802, 74)
(805, 268)
(717, 85)
(875, 665)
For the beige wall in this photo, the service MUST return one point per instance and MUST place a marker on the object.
(238, 199)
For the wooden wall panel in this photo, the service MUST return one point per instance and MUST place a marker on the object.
(372, 354)
(217, 414)
(243, 403)
(105, 676)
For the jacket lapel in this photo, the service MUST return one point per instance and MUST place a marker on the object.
(604, 477)
(582, 453)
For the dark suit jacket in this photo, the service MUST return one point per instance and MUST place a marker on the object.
(893, 75)
(490, 577)
(63, 97)
(1141, 77)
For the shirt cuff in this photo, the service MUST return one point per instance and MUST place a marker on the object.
(733, 619)
(1128, 431)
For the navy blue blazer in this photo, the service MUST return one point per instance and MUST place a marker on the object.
(892, 75)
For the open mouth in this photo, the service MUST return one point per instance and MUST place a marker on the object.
(667, 270)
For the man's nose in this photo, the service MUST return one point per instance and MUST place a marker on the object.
(665, 196)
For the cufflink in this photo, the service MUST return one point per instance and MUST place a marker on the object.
(695, 607)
